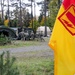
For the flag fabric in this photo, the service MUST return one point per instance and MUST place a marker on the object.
(62, 40)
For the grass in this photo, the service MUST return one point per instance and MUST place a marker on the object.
(35, 63)
(20, 43)
(36, 66)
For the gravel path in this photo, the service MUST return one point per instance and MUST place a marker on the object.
(46, 51)
(26, 49)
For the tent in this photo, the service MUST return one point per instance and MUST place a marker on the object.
(42, 29)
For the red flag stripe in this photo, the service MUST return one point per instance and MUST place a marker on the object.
(67, 3)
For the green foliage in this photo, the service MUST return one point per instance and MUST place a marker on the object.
(6, 17)
(36, 25)
(4, 40)
(40, 18)
(7, 66)
(26, 23)
(53, 8)
(27, 19)
(14, 23)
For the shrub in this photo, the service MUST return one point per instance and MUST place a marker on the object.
(7, 66)
(4, 39)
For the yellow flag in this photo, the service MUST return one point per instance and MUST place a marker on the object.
(62, 40)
